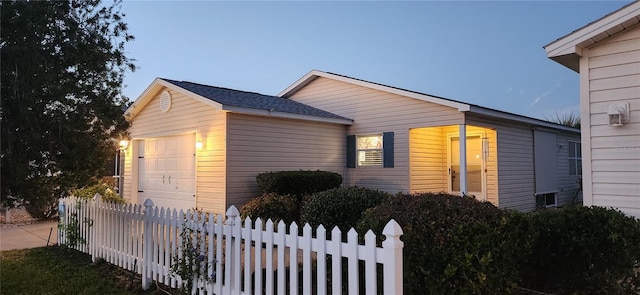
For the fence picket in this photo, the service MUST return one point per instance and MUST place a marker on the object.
(336, 261)
(219, 257)
(369, 257)
(293, 259)
(268, 238)
(258, 256)
(239, 254)
(306, 258)
(246, 237)
(321, 256)
(281, 244)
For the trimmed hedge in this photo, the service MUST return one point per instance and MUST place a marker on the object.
(340, 207)
(453, 244)
(584, 250)
(271, 206)
(297, 183)
(104, 189)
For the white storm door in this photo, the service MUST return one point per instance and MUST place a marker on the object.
(475, 166)
(167, 171)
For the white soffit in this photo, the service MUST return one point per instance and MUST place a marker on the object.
(567, 49)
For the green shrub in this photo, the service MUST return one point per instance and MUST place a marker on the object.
(104, 189)
(453, 244)
(340, 207)
(297, 183)
(585, 250)
(271, 206)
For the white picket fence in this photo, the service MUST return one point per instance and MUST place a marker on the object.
(236, 258)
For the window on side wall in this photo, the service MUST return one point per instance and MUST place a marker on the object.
(575, 158)
(369, 150)
(547, 200)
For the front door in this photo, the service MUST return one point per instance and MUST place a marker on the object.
(475, 166)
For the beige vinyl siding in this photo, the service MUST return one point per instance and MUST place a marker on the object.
(515, 168)
(126, 175)
(187, 115)
(375, 111)
(614, 159)
(428, 155)
(259, 144)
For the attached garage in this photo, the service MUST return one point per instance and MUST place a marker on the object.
(166, 171)
(200, 146)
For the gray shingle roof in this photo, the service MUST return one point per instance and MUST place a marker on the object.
(252, 100)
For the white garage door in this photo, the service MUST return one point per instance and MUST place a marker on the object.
(167, 171)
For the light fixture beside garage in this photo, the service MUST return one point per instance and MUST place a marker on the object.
(124, 144)
(165, 101)
(199, 145)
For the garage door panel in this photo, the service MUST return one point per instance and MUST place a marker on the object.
(168, 175)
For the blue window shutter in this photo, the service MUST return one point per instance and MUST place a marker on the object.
(351, 151)
(387, 148)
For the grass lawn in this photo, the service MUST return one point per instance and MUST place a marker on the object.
(58, 270)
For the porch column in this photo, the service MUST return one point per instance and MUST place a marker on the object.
(463, 158)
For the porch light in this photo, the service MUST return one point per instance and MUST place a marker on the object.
(199, 145)
(124, 144)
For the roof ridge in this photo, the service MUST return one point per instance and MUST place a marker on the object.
(219, 87)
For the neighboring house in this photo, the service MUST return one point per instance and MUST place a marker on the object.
(201, 146)
(606, 53)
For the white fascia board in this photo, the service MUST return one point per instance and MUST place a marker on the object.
(154, 88)
(268, 113)
(306, 79)
(522, 119)
(596, 31)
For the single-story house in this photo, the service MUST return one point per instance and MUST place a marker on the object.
(606, 54)
(201, 146)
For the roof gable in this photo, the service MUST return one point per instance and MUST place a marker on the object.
(567, 50)
(306, 79)
(460, 106)
(237, 101)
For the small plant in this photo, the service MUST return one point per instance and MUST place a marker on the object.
(190, 262)
(71, 229)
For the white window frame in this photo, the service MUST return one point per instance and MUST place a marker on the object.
(359, 163)
(577, 159)
(544, 200)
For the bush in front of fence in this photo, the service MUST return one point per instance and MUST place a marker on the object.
(297, 183)
(102, 188)
(584, 250)
(271, 206)
(453, 244)
(340, 207)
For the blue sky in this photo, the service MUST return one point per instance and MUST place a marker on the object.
(479, 52)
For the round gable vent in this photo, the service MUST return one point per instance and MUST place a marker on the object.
(165, 101)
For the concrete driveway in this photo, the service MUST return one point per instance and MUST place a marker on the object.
(28, 235)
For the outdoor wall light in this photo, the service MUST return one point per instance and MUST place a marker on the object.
(124, 144)
(618, 114)
(199, 145)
